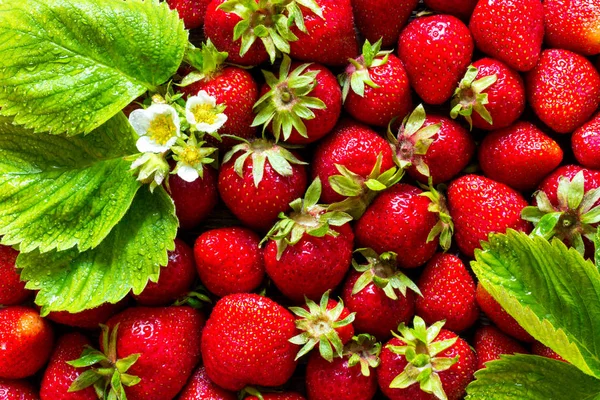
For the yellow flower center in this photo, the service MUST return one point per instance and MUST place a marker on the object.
(190, 156)
(204, 113)
(162, 128)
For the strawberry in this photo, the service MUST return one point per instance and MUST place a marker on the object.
(12, 289)
(380, 87)
(459, 8)
(425, 363)
(309, 251)
(480, 206)
(501, 318)
(59, 375)
(229, 260)
(25, 342)
(17, 390)
(258, 180)
(190, 11)
(448, 293)
(174, 281)
(246, 342)
(277, 396)
(573, 25)
(348, 377)
(511, 31)
(87, 319)
(286, 104)
(490, 343)
(382, 19)
(494, 91)
(563, 89)
(201, 387)
(436, 51)
(550, 184)
(539, 349)
(377, 292)
(585, 142)
(519, 156)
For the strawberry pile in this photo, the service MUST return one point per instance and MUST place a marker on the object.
(345, 161)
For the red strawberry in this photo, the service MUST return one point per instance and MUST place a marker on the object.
(12, 289)
(539, 349)
(563, 89)
(277, 396)
(550, 184)
(201, 387)
(480, 206)
(25, 342)
(501, 318)
(459, 8)
(190, 11)
(246, 342)
(377, 292)
(519, 156)
(194, 201)
(17, 390)
(436, 51)
(301, 106)
(87, 319)
(229, 260)
(59, 375)
(451, 365)
(380, 87)
(262, 183)
(573, 25)
(382, 19)
(448, 293)
(494, 91)
(490, 343)
(309, 251)
(511, 31)
(174, 281)
(586, 143)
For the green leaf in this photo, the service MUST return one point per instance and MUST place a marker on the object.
(526, 377)
(68, 66)
(552, 291)
(123, 262)
(58, 192)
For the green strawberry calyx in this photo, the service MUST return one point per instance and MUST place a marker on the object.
(380, 269)
(363, 350)
(357, 73)
(307, 217)
(318, 325)
(444, 228)
(413, 140)
(108, 374)
(207, 61)
(468, 96)
(288, 103)
(270, 21)
(420, 350)
(574, 217)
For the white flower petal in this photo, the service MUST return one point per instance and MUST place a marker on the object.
(205, 98)
(146, 145)
(187, 173)
(140, 121)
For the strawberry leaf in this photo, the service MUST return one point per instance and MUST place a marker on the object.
(68, 66)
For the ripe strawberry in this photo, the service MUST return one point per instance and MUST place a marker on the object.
(380, 87)
(539, 349)
(25, 342)
(459, 8)
(194, 201)
(229, 260)
(59, 375)
(246, 342)
(377, 292)
(17, 390)
(480, 206)
(448, 293)
(573, 25)
(490, 343)
(12, 289)
(382, 19)
(550, 184)
(309, 251)
(563, 89)
(286, 104)
(174, 281)
(519, 156)
(511, 31)
(494, 91)
(348, 377)
(436, 51)
(190, 11)
(450, 366)
(87, 319)
(585, 142)
(258, 180)
(201, 387)
(501, 318)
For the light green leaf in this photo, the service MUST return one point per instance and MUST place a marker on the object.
(123, 262)
(68, 66)
(58, 192)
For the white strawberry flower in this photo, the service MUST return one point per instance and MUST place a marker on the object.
(203, 113)
(157, 126)
(191, 158)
